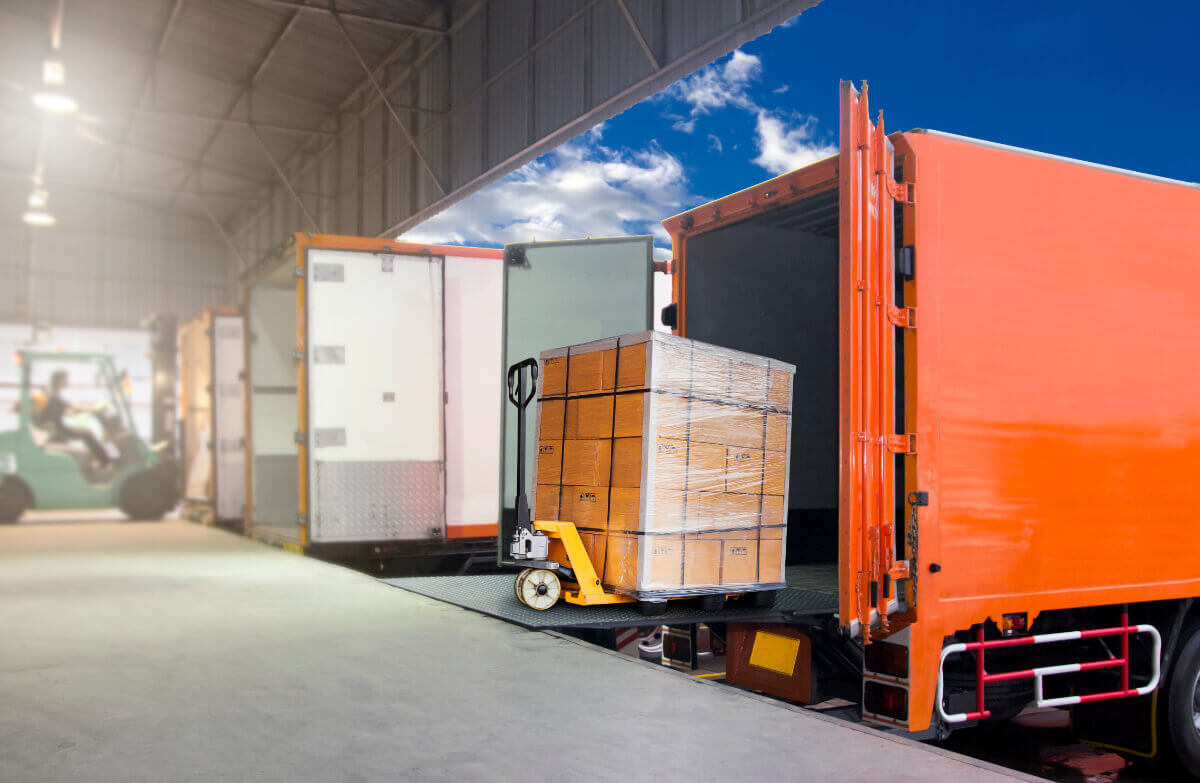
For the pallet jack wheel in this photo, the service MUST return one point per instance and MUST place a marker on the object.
(539, 589)
(517, 582)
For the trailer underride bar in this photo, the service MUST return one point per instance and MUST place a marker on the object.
(982, 677)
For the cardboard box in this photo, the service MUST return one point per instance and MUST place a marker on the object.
(586, 462)
(590, 372)
(627, 462)
(631, 370)
(589, 417)
(629, 420)
(550, 419)
(585, 506)
(681, 464)
(771, 555)
(545, 502)
(549, 462)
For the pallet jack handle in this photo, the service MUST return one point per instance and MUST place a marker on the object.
(518, 396)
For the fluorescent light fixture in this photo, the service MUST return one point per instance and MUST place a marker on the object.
(39, 218)
(55, 102)
(54, 73)
(38, 199)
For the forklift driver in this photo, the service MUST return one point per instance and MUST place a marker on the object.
(51, 419)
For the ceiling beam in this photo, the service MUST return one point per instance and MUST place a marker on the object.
(286, 182)
(391, 109)
(147, 79)
(369, 103)
(357, 16)
(259, 68)
(637, 33)
(220, 229)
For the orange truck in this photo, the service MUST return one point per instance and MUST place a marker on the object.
(996, 348)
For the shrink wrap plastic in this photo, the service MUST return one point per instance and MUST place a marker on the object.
(671, 457)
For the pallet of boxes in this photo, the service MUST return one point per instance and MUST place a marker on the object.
(670, 456)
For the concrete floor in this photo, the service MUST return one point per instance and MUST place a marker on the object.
(167, 651)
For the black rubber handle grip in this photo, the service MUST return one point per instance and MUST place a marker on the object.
(514, 373)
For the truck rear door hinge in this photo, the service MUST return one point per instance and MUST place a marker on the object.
(300, 438)
(904, 317)
(902, 444)
(901, 191)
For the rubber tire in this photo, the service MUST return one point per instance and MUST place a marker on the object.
(517, 583)
(763, 599)
(14, 499)
(147, 495)
(652, 608)
(1185, 740)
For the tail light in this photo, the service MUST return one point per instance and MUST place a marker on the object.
(888, 701)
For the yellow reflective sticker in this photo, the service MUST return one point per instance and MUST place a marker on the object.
(774, 653)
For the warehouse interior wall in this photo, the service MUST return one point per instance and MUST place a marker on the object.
(109, 262)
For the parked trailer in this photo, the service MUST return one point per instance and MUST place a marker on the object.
(212, 416)
(995, 348)
(372, 370)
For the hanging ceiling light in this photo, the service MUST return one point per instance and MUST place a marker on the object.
(38, 215)
(52, 98)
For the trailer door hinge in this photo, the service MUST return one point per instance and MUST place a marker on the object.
(298, 354)
(904, 317)
(902, 444)
(300, 437)
(901, 191)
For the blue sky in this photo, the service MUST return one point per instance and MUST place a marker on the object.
(1110, 82)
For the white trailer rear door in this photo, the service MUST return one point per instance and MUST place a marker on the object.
(229, 415)
(374, 352)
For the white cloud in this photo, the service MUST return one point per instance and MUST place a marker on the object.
(784, 141)
(582, 188)
(783, 148)
(714, 87)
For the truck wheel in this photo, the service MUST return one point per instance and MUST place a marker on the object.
(146, 495)
(14, 499)
(1183, 703)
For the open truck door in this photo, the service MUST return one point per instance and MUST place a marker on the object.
(372, 390)
(566, 293)
(868, 564)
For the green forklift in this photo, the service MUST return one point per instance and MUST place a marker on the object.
(42, 467)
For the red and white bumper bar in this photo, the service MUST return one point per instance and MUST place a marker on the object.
(982, 677)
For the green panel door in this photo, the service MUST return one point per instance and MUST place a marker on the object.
(565, 293)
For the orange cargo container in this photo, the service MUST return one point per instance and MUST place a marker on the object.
(1003, 429)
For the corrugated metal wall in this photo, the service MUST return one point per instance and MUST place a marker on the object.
(512, 80)
(108, 262)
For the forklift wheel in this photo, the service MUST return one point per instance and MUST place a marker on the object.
(517, 582)
(14, 499)
(539, 589)
(147, 495)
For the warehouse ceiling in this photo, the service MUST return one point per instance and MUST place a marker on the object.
(265, 117)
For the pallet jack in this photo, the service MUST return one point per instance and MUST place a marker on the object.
(544, 580)
(539, 586)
